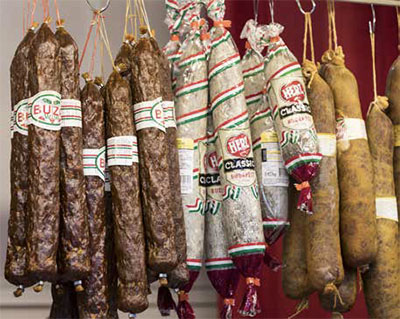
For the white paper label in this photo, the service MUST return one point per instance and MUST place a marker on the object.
(186, 164)
(71, 113)
(21, 117)
(212, 179)
(348, 129)
(327, 144)
(273, 168)
(149, 114)
(94, 162)
(122, 151)
(169, 114)
(386, 207)
(12, 123)
(45, 110)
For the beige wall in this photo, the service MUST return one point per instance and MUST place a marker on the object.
(77, 16)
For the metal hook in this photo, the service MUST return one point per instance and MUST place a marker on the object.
(314, 5)
(255, 8)
(271, 10)
(102, 9)
(372, 25)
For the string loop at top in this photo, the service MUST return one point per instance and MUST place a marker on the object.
(308, 33)
(332, 25)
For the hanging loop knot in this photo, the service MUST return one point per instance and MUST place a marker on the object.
(183, 296)
(223, 23)
(253, 281)
(302, 186)
(175, 38)
(229, 302)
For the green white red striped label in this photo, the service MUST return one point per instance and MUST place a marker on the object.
(149, 114)
(45, 110)
(194, 264)
(275, 51)
(71, 113)
(219, 264)
(226, 95)
(191, 88)
(260, 115)
(246, 249)
(302, 159)
(284, 71)
(169, 114)
(386, 207)
(192, 116)
(20, 118)
(348, 129)
(221, 39)
(196, 207)
(191, 59)
(253, 71)
(94, 162)
(254, 98)
(122, 151)
(223, 65)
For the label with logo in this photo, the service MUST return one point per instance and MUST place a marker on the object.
(348, 129)
(169, 114)
(212, 179)
(273, 168)
(94, 162)
(327, 144)
(186, 164)
(21, 117)
(396, 129)
(238, 159)
(292, 106)
(386, 207)
(71, 113)
(149, 114)
(122, 151)
(45, 110)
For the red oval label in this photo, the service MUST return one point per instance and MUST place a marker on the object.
(211, 162)
(293, 92)
(239, 145)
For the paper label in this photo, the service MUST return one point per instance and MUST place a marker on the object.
(169, 114)
(212, 178)
(327, 144)
(386, 207)
(149, 114)
(396, 129)
(348, 129)
(292, 107)
(71, 113)
(21, 117)
(202, 170)
(45, 110)
(269, 137)
(94, 162)
(186, 164)
(12, 123)
(273, 168)
(237, 155)
(122, 151)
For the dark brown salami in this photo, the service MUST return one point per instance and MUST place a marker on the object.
(153, 155)
(74, 261)
(124, 57)
(16, 245)
(64, 304)
(44, 155)
(93, 302)
(122, 161)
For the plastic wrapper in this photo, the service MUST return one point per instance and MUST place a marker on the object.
(221, 271)
(191, 101)
(271, 174)
(122, 161)
(292, 115)
(44, 155)
(74, 261)
(322, 238)
(381, 282)
(242, 218)
(355, 170)
(16, 259)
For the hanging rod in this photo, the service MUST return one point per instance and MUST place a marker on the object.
(379, 2)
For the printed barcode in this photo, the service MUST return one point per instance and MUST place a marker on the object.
(186, 184)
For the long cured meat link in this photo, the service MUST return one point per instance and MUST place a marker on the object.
(122, 161)
(44, 155)
(16, 245)
(152, 143)
(74, 261)
(93, 302)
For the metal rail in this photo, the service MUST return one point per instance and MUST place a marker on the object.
(378, 2)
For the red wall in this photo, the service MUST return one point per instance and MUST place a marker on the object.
(352, 29)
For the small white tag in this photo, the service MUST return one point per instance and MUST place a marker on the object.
(94, 162)
(386, 207)
(149, 114)
(71, 113)
(45, 110)
(327, 144)
(169, 114)
(348, 129)
(21, 117)
(273, 168)
(122, 151)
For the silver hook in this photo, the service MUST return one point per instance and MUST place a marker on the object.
(372, 25)
(271, 10)
(102, 9)
(314, 5)
(255, 8)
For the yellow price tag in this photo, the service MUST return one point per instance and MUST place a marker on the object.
(185, 143)
(269, 137)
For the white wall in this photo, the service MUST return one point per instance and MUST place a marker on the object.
(77, 16)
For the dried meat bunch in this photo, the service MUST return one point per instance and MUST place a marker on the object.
(242, 218)
(271, 174)
(292, 115)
